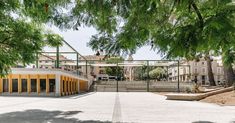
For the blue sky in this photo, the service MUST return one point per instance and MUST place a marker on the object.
(79, 39)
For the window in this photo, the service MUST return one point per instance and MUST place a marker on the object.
(203, 70)
(218, 70)
(14, 85)
(195, 63)
(203, 63)
(184, 70)
(5, 85)
(52, 85)
(195, 70)
(24, 85)
(33, 85)
(42, 85)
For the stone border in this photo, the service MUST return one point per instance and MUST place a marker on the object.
(193, 97)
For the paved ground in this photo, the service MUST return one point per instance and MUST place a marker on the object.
(110, 107)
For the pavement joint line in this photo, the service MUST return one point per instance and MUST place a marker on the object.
(117, 114)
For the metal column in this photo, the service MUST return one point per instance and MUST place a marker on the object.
(57, 57)
(37, 60)
(117, 76)
(86, 69)
(147, 76)
(178, 85)
(77, 64)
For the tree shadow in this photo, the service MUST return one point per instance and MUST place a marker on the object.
(202, 122)
(42, 116)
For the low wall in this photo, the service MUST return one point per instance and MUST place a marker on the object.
(157, 86)
(192, 97)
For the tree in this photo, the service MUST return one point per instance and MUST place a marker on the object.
(179, 28)
(158, 73)
(209, 70)
(115, 70)
(21, 39)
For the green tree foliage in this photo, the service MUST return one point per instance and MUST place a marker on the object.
(115, 70)
(177, 28)
(20, 38)
(158, 73)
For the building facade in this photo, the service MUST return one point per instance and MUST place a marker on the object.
(190, 71)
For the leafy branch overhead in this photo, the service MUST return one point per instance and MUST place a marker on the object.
(21, 39)
(176, 28)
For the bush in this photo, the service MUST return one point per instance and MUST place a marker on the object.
(195, 88)
(188, 90)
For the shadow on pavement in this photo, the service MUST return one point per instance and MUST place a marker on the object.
(42, 116)
(202, 122)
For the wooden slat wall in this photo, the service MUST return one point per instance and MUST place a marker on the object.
(70, 85)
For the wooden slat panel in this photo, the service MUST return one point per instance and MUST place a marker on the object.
(10, 83)
(29, 84)
(1, 85)
(24, 76)
(42, 76)
(33, 76)
(51, 76)
(83, 86)
(19, 84)
(47, 84)
(15, 76)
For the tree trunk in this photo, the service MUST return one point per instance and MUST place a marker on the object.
(228, 74)
(209, 71)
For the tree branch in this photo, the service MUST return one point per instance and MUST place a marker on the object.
(201, 22)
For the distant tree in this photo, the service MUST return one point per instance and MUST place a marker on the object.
(114, 70)
(158, 73)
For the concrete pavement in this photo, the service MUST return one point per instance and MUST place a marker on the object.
(107, 107)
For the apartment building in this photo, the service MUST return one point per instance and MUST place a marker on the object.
(46, 61)
(190, 71)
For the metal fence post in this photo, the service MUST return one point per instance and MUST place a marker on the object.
(86, 69)
(77, 63)
(167, 72)
(37, 60)
(178, 85)
(57, 57)
(148, 79)
(117, 76)
(190, 76)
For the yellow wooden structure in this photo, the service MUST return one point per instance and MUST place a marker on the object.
(46, 84)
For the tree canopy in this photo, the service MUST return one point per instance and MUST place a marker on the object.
(176, 28)
(20, 37)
